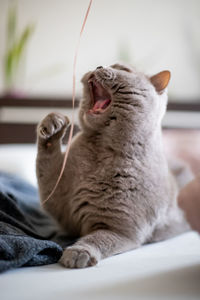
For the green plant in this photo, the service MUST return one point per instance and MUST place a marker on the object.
(15, 47)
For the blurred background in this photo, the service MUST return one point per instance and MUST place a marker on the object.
(150, 34)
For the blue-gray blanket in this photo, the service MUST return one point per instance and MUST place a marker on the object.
(28, 236)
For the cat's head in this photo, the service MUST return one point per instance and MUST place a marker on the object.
(116, 95)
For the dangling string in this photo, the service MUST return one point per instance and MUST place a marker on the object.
(73, 102)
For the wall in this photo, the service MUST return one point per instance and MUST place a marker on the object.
(151, 34)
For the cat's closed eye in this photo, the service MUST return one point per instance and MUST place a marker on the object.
(121, 67)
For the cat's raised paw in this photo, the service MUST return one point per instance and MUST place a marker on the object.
(52, 124)
(77, 257)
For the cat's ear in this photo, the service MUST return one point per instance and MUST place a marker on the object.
(161, 80)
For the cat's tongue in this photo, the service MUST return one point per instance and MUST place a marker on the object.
(100, 104)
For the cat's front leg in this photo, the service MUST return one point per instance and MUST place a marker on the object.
(50, 157)
(97, 245)
(49, 135)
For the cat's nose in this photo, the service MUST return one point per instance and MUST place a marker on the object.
(99, 67)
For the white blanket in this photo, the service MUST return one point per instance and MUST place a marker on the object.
(167, 270)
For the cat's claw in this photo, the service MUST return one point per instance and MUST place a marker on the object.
(77, 257)
(52, 124)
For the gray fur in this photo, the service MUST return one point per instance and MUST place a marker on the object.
(116, 192)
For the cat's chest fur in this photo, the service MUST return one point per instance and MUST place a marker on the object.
(101, 164)
(113, 186)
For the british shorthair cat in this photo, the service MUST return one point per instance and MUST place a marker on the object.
(117, 192)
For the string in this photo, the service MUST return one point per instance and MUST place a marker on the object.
(73, 105)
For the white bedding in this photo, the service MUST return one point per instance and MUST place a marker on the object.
(19, 159)
(166, 270)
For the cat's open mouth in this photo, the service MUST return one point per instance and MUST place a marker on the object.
(100, 98)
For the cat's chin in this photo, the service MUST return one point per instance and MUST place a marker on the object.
(100, 98)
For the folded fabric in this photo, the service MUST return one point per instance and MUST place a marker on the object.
(28, 236)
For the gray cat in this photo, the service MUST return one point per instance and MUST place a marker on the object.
(116, 192)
